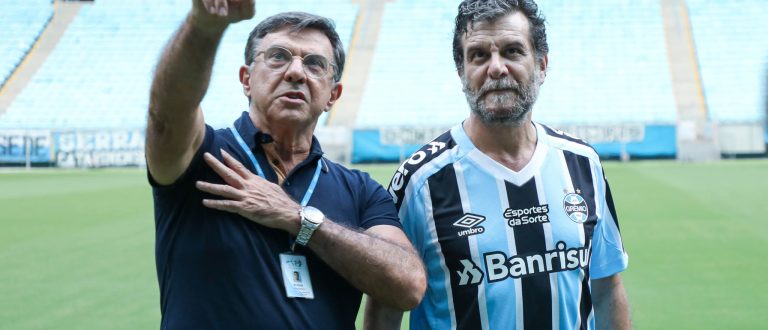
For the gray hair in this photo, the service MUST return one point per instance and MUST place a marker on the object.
(474, 11)
(298, 21)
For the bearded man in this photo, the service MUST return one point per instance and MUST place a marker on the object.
(514, 220)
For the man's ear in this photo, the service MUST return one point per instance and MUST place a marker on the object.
(245, 80)
(335, 94)
(543, 68)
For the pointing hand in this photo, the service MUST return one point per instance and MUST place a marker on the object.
(223, 12)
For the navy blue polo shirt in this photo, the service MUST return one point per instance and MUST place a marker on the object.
(218, 270)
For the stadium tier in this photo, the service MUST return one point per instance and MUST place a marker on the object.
(608, 69)
(732, 49)
(412, 79)
(99, 75)
(607, 64)
(22, 23)
(609, 76)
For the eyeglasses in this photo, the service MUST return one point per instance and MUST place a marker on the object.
(278, 59)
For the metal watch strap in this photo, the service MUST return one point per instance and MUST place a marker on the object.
(308, 226)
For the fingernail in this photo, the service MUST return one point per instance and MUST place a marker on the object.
(222, 11)
(223, 152)
(212, 10)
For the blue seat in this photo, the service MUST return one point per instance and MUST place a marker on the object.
(607, 64)
(99, 75)
(732, 49)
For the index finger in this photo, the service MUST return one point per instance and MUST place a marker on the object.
(236, 165)
(231, 177)
(248, 7)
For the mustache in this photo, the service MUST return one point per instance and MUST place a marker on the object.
(491, 85)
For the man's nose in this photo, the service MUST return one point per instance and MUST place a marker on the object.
(497, 67)
(295, 71)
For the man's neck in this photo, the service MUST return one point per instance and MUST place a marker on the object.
(292, 142)
(509, 145)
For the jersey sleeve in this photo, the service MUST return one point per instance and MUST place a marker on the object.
(608, 254)
(412, 216)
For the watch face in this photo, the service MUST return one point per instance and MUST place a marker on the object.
(312, 214)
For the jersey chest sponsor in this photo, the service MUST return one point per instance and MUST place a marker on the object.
(498, 266)
(495, 263)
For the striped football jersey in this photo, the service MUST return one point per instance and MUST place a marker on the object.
(506, 249)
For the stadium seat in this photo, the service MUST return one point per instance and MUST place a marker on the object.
(732, 49)
(99, 75)
(22, 23)
(607, 64)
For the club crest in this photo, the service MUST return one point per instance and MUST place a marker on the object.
(576, 207)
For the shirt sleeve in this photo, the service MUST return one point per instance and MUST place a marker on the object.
(378, 208)
(192, 172)
(608, 254)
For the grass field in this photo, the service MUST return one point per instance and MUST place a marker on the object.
(76, 247)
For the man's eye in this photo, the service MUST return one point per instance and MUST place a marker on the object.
(279, 56)
(513, 51)
(315, 62)
(476, 56)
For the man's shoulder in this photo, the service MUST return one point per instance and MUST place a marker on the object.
(422, 163)
(342, 170)
(570, 143)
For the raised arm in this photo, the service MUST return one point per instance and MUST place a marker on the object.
(379, 261)
(175, 127)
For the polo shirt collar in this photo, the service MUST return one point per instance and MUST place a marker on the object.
(251, 134)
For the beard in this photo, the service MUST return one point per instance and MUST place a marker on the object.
(509, 103)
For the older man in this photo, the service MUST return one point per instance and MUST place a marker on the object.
(514, 220)
(275, 236)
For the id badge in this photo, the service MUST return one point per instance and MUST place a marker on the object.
(296, 276)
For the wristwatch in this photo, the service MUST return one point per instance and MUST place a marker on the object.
(311, 218)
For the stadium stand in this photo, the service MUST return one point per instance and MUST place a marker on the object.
(612, 69)
(608, 69)
(413, 81)
(608, 64)
(733, 56)
(22, 22)
(99, 75)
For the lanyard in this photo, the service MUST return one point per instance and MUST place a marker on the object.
(260, 172)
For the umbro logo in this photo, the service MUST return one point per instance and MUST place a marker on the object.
(471, 222)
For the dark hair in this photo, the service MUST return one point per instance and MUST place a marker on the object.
(474, 11)
(298, 21)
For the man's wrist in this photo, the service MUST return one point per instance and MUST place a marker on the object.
(207, 24)
(311, 219)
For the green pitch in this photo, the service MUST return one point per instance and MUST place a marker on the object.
(76, 247)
